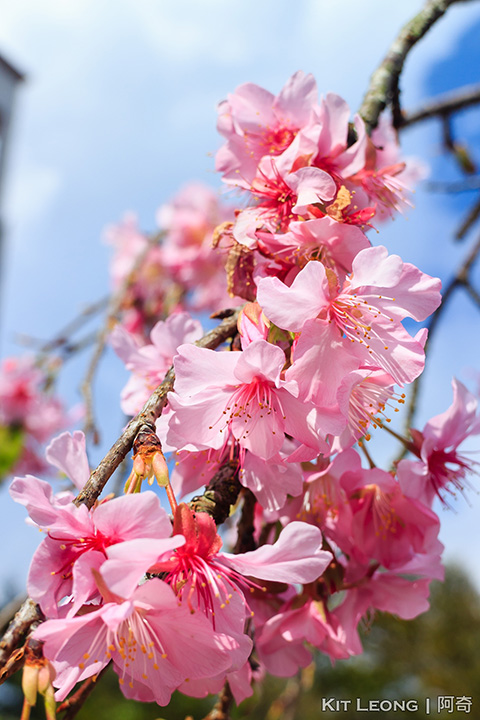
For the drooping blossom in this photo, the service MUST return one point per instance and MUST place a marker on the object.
(441, 469)
(387, 178)
(367, 398)
(282, 640)
(386, 525)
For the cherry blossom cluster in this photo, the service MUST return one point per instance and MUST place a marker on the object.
(184, 628)
(30, 415)
(321, 360)
(176, 268)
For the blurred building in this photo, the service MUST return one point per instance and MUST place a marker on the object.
(9, 79)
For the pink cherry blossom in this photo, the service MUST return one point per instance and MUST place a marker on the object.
(153, 642)
(188, 253)
(149, 363)
(334, 243)
(281, 641)
(368, 310)
(213, 582)
(128, 243)
(387, 179)
(252, 324)
(72, 532)
(220, 395)
(256, 123)
(31, 412)
(334, 152)
(137, 268)
(68, 453)
(281, 193)
(386, 525)
(274, 480)
(442, 469)
(366, 397)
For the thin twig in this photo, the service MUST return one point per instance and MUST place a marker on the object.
(469, 220)
(147, 416)
(62, 337)
(28, 614)
(113, 310)
(75, 702)
(468, 184)
(475, 296)
(365, 451)
(383, 87)
(445, 104)
(458, 150)
(221, 710)
(90, 426)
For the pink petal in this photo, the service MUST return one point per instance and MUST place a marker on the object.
(37, 496)
(295, 557)
(68, 453)
(260, 358)
(311, 185)
(290, 307)
(132, 516)
(197, 369)
(128, 562)
(297, 97)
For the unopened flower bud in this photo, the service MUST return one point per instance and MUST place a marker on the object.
(160, 469)
(37, 677)
(148, 462)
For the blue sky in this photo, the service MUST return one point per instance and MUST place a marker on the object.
(118, 111)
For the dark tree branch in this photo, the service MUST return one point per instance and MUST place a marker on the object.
(469, 220)
(28, 614)
(443, 105)
(246, 528)
(384, 83)
(220, 494)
